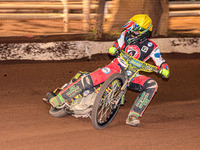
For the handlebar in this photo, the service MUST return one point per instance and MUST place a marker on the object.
(137, 65)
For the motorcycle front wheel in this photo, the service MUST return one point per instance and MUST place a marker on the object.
(107, 103)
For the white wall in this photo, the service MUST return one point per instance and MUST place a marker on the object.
(79, 49)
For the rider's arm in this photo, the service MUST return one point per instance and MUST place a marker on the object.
(160, 62)
(117, 45)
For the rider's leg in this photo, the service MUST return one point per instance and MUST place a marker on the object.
(84, 83)
(147, 88)
(102, 74)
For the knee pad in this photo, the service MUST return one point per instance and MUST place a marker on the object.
(86, 82)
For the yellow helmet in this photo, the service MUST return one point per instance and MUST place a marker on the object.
(140, 22)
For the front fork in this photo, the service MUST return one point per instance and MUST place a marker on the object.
(121, 95)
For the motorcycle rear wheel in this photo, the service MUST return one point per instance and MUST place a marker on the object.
(104, 108)
(58, 112)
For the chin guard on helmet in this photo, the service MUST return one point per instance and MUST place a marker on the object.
(138, 38)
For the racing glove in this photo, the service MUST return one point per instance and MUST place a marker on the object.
(113, 51)
(164, 71)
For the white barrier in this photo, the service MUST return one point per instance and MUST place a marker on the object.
(79, 49)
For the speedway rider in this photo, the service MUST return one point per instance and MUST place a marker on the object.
(134, 40)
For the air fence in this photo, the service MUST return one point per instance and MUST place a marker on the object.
(67, 50)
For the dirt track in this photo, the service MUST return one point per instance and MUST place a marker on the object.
(172, 121)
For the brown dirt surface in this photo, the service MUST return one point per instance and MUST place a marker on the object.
(170, 122)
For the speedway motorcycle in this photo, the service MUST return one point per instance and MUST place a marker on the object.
(102, 105)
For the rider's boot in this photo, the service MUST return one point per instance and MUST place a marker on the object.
(133, 119)
(56, 101)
